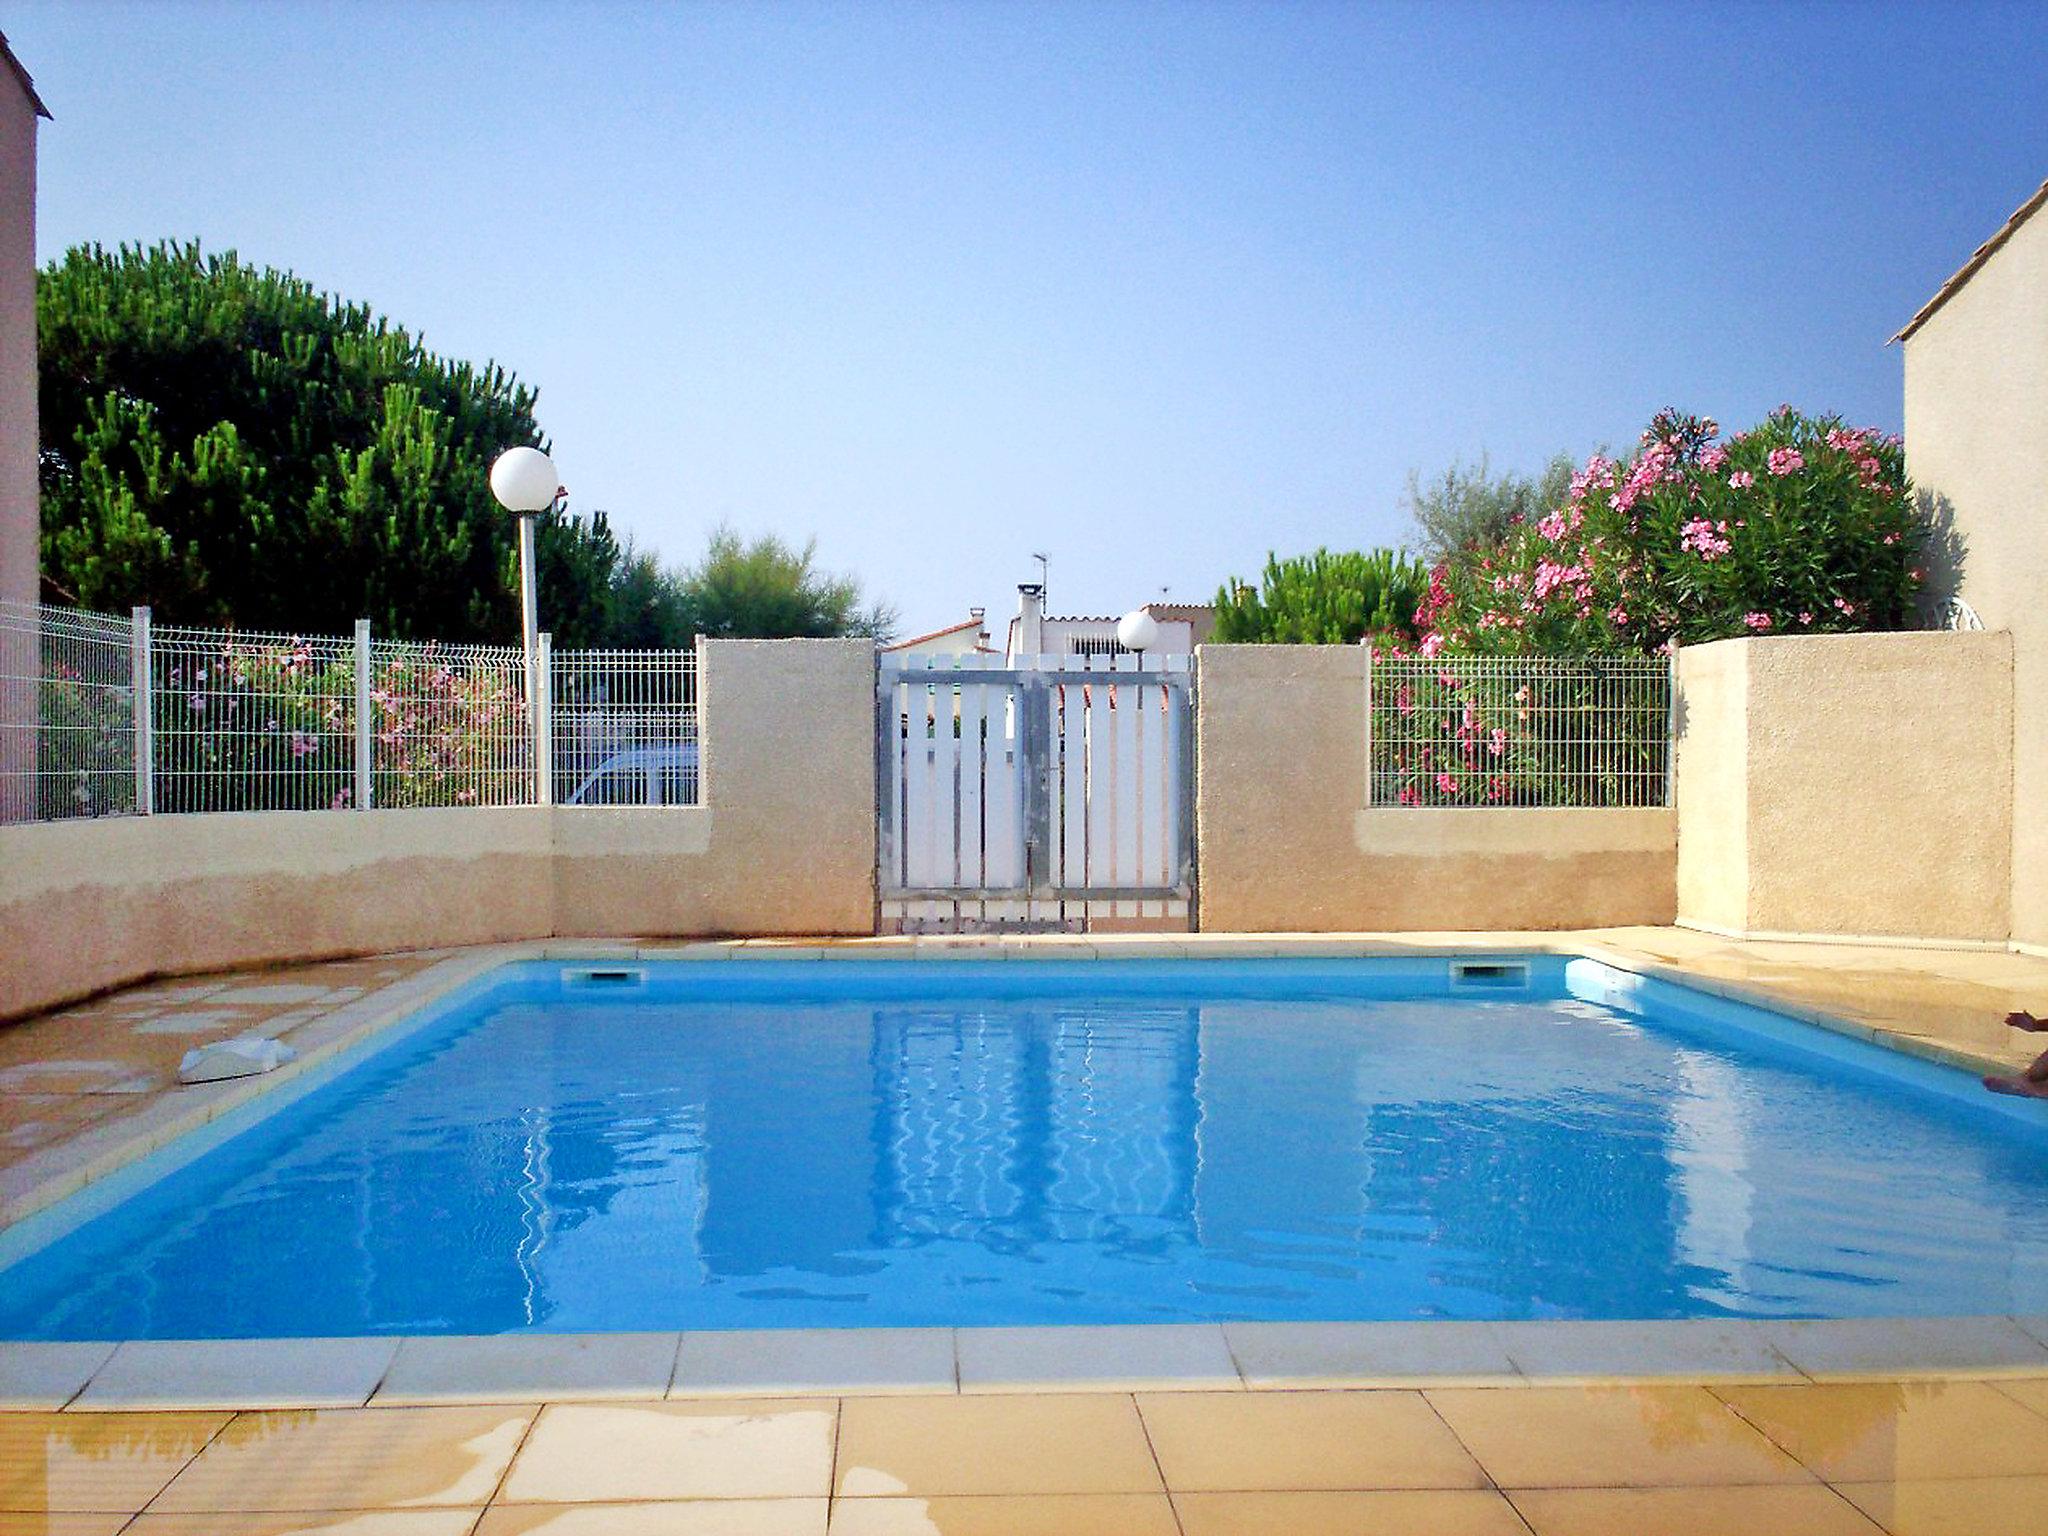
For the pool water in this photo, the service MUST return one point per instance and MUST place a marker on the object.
(866, 1143)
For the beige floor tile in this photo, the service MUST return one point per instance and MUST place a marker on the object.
(697, 1517)
(1908, 1346)
(342, 1458)
(1168, 1356)
(1968, 1506)
(2030, 1390)
(1621, 1437)
(1556, 1353)
(767, 1362)
(925, 1446)
(1304, 1440)
(346, 1522)
(1811, 1510)
(1409, 1511)
(1875, 1430)
(40, 1375)
(593, 1452)
(1368, 1354)
(61, 1525)
(240, 1373)
(101, 1461)
(32, 1120)
(529, 1367)
(1044, 1514)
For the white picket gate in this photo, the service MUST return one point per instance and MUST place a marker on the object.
(1035, 792)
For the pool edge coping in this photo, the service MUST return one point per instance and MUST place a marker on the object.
(1634, 1351)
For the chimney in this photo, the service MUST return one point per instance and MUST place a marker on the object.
(980, 618)
(1030, 618)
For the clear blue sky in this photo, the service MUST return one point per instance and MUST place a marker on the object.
(1151, 288)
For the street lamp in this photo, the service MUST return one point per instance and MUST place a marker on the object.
(525, 483)
(1137, 631)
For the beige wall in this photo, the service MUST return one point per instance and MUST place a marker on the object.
(1977, 448)
(783, 844)
(1713, 785)
(18, 488)
(19, 521)
(1288, 843)
(1847, 784)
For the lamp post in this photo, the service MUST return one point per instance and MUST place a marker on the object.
(525, 483)
(1137, 631)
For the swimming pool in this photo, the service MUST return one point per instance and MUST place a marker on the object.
(583, 1148)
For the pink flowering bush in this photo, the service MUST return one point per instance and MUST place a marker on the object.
(270, 725)
(1802, 525)
(1799, 525)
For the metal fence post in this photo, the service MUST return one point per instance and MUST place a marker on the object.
(541, 689)
(1671, 734)
(365, 777)
(141, 685)
(1367, 643)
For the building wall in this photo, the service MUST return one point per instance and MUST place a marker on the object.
(18, 491)
(1977, 448)
(1289, 844)
(1713, 784)
(784, 843)
(1858, 785)
(19, 518)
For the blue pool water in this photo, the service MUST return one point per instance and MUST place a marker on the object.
(866, 1143)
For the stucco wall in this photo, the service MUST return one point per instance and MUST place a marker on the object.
(18, 489)
(1713, 784)
(1847, 784)
(1288, 843)
(19, 525)
(783, 844)
(1977, 448)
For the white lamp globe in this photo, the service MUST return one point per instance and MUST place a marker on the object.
(1137, 631)
(524, 480)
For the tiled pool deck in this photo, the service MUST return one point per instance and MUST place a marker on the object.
(1939, 1425)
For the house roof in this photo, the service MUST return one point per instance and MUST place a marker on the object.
(937, 634)
(1982, 254)
(29, 86)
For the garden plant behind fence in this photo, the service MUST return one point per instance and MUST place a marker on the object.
(106, 716)
(1540, 731)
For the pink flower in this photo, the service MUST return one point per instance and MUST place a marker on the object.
(1447, 784)
(1497, 743)
(1713, 457)
(1758, 621)
(1891, 538)
(1848, 609)
(1741, 480)
(303, 745)
(1705, 539)
(1618, 614)
(1806, 618)
(1410, 795)
(1918, 573)
(1432, 643)
(340, 802)
(1785, 461)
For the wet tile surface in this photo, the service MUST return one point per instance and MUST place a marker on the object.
(591, 1452)
(1050, 1443)
(349, 1458)
(1305, 1440)
(1576, 1437)
(103, 1462)
(1899, 1430)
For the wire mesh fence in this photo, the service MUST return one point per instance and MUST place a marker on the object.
(67, 713)
(449, 725)
(625, 728)
(1550, 731)
(247, 721)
